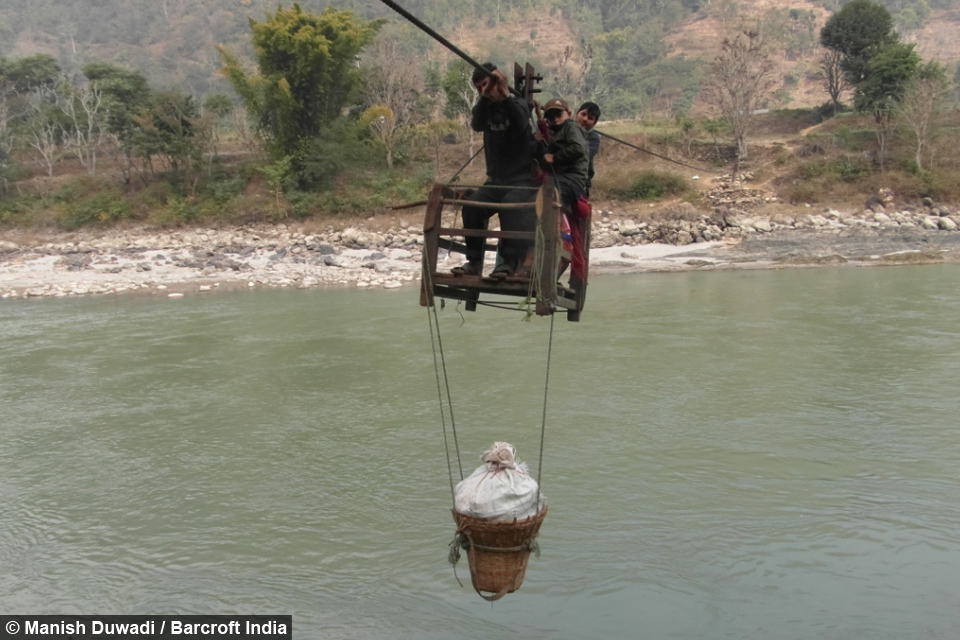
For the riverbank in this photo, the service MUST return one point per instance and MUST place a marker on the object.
(183, 262)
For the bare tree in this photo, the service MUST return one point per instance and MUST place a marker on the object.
(571, 78)
(44, 137)
(834, 80)
(87, 132)
(393, 81)
(742, 81)
(923, 110)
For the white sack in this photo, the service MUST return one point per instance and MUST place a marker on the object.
(500, 489)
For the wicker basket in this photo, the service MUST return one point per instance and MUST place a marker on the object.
(498, 551)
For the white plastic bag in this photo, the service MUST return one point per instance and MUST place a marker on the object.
(500, 489)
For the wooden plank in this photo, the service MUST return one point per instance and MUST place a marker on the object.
(549, 215)
(499, 206)
(458, 247)
(431, 226)
(483, 233)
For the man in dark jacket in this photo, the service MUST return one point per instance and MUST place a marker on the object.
(504, 121)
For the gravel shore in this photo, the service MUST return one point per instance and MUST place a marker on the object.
(191, 262)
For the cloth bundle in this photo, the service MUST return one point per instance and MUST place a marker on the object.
(499, 489)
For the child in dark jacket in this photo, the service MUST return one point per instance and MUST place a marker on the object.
(568, 158)
(567, 154)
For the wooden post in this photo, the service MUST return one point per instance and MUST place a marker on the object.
(549, 220)
(431, 244)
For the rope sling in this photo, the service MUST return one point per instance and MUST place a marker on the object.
(463, 539)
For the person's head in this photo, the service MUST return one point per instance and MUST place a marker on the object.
(556, 111)
(479, 76)
(587, 115)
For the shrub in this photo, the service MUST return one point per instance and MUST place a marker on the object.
(841, 168)
(96, 209)
(650, 185)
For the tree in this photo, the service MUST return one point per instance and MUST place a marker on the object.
(306, 76)
(216, 107)
(26, 95)
(126, 94)
(924, 105)
(460, 94)
(885, 80)
(392, 86)
(85, 132)
(173, 130)
(27, 74)
(857, 32)
(433, 134)
(741, 82)
(43, 133)
(834, 80)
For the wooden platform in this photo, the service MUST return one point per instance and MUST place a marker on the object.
(549, 294)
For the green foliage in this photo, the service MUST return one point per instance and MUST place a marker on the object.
(99, 208)
(367, 191)
(306, 77)
(23, 75)
(458, 90)
(675, 79)
(172, 129)
(858, 31)
(218, 103)
(125, 94)
(335, 149)
(624, 52)
(651, 185)
(842, 168)
(885, 79)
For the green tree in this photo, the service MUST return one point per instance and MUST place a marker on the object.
(459, 90)
(125, 94)
(31, 73)
(172, 129)
(885, 81)
(306, 77)
(858, 31)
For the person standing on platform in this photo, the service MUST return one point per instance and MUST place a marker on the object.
(504, 121)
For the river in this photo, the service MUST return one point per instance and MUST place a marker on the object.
(766, 455)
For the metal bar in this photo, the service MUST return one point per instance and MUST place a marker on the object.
(436, 36)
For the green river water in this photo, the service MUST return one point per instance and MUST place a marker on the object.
(762, 455)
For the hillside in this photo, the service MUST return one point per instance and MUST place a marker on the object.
(173, 41)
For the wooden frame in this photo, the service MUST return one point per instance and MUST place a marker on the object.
(550, 295)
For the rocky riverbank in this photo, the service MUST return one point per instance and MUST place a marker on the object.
(186, 262)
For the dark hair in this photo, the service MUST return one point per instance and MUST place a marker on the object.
(592, 109)
(479, 75)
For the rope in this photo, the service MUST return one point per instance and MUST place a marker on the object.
(465, 165)
(434, 343)
(543, 424)
(528, 306)
(657, 155)
(461, 541)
